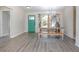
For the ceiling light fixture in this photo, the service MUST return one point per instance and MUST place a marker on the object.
(28, 7)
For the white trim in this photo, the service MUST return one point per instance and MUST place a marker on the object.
(68, 36)
(16, 35)
(4, 34)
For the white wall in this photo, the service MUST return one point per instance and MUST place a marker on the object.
(36, 14)
(77, 26)
(68, 21)
(17, 20)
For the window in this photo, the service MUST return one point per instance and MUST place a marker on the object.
(44, 21)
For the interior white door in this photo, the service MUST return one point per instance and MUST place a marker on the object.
(6, 23)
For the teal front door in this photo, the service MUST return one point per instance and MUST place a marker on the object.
(31, 23)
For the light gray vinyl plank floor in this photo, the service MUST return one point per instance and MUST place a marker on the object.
(29, 42)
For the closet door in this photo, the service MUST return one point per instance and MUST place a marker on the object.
(5, 23)
(0, 24)
(4, 27)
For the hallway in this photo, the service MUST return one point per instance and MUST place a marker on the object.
(28, 42)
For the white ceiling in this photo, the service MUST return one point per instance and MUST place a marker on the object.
(41, 8)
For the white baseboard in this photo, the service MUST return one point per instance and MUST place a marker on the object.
(4, 35)
(68, 36)
(16, 35)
